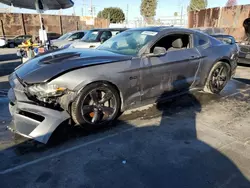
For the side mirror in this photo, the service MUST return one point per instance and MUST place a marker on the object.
(157, 52)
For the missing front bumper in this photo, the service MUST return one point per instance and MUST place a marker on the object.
(35, 121)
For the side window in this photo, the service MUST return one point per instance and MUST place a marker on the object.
(209, 31)
(19, 38)
(80, 35)
(106, 35)
(74, 36)
(27, 37)
(218, 30)
(174, 42)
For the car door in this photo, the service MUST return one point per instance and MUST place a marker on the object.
(173, 72)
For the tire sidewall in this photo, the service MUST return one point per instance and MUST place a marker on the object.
(208, 87)
(78, 103)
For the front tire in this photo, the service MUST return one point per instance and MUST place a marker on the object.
(218, 78)
(96, 106)
(11, 45)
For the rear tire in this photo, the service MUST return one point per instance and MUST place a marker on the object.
(91, 110)
(11, 45)
(218, 78)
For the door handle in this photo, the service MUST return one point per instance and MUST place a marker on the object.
(193, 57)
(133, 77)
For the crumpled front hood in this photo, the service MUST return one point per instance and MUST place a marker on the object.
(48, 66)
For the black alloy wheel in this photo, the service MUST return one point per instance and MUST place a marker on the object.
(97, 105)
(218, 78)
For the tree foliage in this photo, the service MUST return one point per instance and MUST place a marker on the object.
(196, 5)
(114, 14)
(148, 9)
(231, 3)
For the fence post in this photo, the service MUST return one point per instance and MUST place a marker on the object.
(23, 24)
(60, 22)
(2, 28)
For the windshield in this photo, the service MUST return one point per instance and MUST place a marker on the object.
(91, 36)
(65, 36)
(128, 42)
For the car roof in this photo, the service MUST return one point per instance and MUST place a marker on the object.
(76, 31)
(109, 29)
(162, 28)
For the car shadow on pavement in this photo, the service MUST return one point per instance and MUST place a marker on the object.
(7, 68)
(167, 153)
(243, 65)
(8, 57)
(244, 80)
(4, 86)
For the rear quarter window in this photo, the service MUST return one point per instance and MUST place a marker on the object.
(201, 40)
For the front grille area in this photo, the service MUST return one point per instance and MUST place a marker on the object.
(32, 115)
(18, 92)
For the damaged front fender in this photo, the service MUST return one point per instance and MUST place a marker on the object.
(66, 100)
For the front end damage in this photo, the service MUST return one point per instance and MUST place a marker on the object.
(37, 109)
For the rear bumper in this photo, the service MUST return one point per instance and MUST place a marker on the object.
(35, 121)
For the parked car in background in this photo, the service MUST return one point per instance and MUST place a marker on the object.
(135, 68)
(227, 39)
(244, 52)
(67, 38)
(95, 37)
(53, 36)
(244, 46)
(11, 43)
(211, 30)
(3, 42)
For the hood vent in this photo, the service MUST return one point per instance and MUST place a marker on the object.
(57, 58)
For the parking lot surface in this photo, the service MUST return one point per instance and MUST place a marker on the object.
(198, 140)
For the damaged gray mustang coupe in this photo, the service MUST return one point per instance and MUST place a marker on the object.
(135, 68)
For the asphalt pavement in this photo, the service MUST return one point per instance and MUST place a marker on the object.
(198, 140)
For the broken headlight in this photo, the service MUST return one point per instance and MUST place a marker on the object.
(43, 91)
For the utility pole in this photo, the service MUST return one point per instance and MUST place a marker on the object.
(109, 17)
(91, 8)
(181, 15)
(127, 14)
(82, 7)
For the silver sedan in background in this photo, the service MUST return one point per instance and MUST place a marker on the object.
(68, 38)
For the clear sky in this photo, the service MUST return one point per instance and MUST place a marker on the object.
(165, 8)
